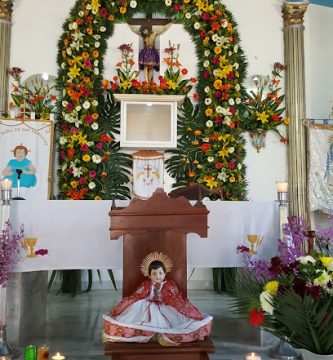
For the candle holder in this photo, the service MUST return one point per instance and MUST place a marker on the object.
(6, 196)
(18, 197)
(282, 193)
(6, 351)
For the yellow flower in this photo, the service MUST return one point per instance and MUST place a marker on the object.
(77, 60)
(125, 84)
(272, 287)
(206, 41)
(74, 184)
(208, 112)
(186, 1)
(217, 84)
(223, 73)
(74, 71)
(224, 137)
(122, 10)
(326, 261)
(263, 117)
(172, 85)
(98, 198)
(95, 5)
(232, 179)
(210, 182)
(217, 50)
(286, 120)
(223, 60)
(224, 152)
(86, 158)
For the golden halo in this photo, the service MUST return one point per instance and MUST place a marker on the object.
(148, 259)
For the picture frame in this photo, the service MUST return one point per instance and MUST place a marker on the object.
(26, 155)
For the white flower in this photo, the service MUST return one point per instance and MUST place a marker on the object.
(198, 13)
(97, 37)
(235, 48)
(64, 167)
(77, 171)
(237, 87)
(239, 166)
(64, 103)
(205, 139)
(78, 108)
(306, 259)
(94, 126)
(62, 140)
(207, 89)
(102, 29)
(91, 185)
(207, 52)
(94, 102)
(208, 101)
(215, 37)
(199, 166)
(206, 63)
(209, 123)
(236, 66)
(231, 101)
(97, 44)
(96, 159)
(90, 143)
(70, 26)
(224, 23)
(78, 123)
(63, 65)
(266, 302)
(81, 13)
(210, 159)
(229, 53)
(133, 4)
(231, 150)
(96, 70)
(86, 105)
(168, 2)
(222, 175)
(238, 101)
(88, 7)
(188, 16)
(196, 25)
(69, 51)
(96, 62)
(74, 25)
(323, 279)
(219, 109)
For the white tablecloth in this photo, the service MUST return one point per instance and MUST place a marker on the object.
(76, 233)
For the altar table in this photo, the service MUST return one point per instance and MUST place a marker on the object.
(76, 234)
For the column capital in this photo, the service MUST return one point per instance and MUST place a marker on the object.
(6, 10)
(293, 12)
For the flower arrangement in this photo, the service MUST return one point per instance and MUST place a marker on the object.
(9, 251)
(127, 79)
(291, 295)
(37, 98)
(263, 105)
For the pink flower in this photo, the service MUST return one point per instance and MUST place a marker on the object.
(92, 173)
(88, 63)
(89, 119)
(103, 11)
(177, 7)
(69, 106)
(99, 145)
(84, 147)
(82, 180)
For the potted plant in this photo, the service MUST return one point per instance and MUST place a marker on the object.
(263, 108)
(291, 295)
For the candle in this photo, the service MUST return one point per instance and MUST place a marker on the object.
(58, 356)
(252, 356)
(6, 184)
(30, 352)
(282, 186)
(43, 353)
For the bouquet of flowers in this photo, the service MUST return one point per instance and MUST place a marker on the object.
(291, 295)
(38, 97)
(127, 79)
(263, 105)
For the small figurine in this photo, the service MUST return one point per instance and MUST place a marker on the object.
(149, 58)
(156, 307)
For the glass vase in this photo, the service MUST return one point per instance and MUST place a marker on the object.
(258, 138)
(2, 306)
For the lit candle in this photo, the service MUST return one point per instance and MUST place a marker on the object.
(252, 356)
(282, 186)
(58, 356)
(6, 184)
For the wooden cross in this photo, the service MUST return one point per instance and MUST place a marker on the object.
(149, 21)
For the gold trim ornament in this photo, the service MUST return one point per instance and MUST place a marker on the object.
(293, 14)
(6, 10)
(153, 256)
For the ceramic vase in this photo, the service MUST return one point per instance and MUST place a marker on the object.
(308, 355)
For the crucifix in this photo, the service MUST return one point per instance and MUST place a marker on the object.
(148, 169)
(149, 58)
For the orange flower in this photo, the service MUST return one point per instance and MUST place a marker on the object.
(97, 198)
(86, 79)
(184, 71)
(197, 132)
(70, 152)
(89, 31)
(208, 112)
(65, 42)
(191, 174)
(122, 10)
(79, 21)
(95, 53)
(195, 142)
(85, 55)
(95, 116)
(104, 174)
(105, 83)
(106, 138)
(111, 17)
(215, 26)
(63, 53)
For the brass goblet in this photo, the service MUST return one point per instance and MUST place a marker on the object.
(252, 239)
(31, 242)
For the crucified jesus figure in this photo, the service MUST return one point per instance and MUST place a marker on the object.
(149, 58)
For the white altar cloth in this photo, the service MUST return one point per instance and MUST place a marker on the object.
(76, 233)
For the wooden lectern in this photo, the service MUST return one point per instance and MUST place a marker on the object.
(157, 224)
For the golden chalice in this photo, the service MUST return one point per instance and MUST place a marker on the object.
(31, 242)
(252, 239)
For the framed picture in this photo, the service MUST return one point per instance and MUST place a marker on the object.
(26, 156)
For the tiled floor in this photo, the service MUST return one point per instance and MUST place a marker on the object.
(74, 326)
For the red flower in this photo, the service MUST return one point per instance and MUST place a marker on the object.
(283, 140)
(218, 119)
(196, 96)
(202, 34)
(103, 11)
(70, 152)
(177, 7)
(276, 117)
(184, 71)
(106, 138)
(256, 317)
(231, 165)
(205, 147)
(218, 165)
(213, 138)
(206, 75)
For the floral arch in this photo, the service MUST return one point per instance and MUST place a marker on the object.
(210, 148)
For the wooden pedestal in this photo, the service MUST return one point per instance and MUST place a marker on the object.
(154, 351)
